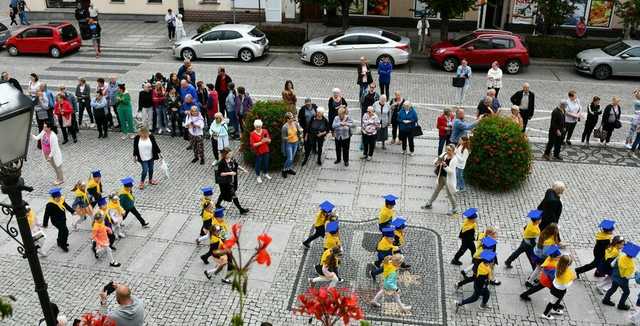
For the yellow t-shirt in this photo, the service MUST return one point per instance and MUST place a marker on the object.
(386, 214)
(567, 277)
(468, 224)
(386, 245)
(324, 260)
(484, 269)
(550, 241)
(321, 219)
(207, 215)
(611, 252)
(292, 134)
(388, 268)
(551, 262)
(400, 235)
(531, 231)
(331, 240)
(626, 266)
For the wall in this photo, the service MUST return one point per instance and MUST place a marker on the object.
(135, 7)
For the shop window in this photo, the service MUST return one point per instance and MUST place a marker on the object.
(596, 13)
(369, 7)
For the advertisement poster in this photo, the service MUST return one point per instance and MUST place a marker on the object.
(523, 11)
(378, 7)
(600, 13)
(356, 7)
(421, 7)
(580, 11)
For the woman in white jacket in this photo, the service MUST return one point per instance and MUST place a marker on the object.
(446, 178)
(462, 153)
(494, 77)
(51, 151)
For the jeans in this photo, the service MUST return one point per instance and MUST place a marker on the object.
(369, 142)
(525, 247)
(233, 122)
(161, 117)
(342, 149)
(622, 283)
(460, 179)
(460, 93)
(147, 167)
(262, 164)
(636, 142)
(172, 31)
(404, 137)
(442, 140)
(290, 151)
(24, 18)
(363, 89)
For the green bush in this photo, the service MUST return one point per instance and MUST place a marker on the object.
(280, 35)
(272, 114)
(500, 157)
(207, 26)
(559, 47)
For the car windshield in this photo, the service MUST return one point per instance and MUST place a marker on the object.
(463, 40)
(392, 36)
(3, 27)
(256, 33)
(615, 48)
(331, 37)
(68, 33)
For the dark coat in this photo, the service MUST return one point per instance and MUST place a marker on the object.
(333, 108)
(369, 77)
(218, 86)
(302, 119)
(557, 121)
(155, 150)
(608, 110)
(516, 99)
(551, 208)
(53, 212)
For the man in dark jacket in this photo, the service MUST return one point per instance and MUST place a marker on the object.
(222, 87)
(551, 206)
(526, 101)
(556, 130)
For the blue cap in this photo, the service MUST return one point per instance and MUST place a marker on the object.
(127, 182)
(552, 251)
(102, 201)
(471, 213)
(332, 227)
(207, 191)
(96, 173)
(607, 225)
(489, 242)
(219, 212)
(327, 206)
(631, 249)
(390, 199)
(399, 223)
(389, 231)
(55, 192)
(488, 255)
(535, 214)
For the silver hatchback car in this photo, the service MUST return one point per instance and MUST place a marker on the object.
(356, 42)
(617, 59)
(244, 42)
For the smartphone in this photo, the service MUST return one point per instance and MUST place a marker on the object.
(109, 288)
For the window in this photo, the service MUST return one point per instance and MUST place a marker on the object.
(332, 37)
(231, 35)
(212, 36)
(256, 33)
(45, 32)
(369, 7)
(481, 44)
(502, 43)
(596, 13)
(615, 48)
(117, 1)
(349, 40)
(635, 52)
(68, 33)
(463, 39)
(30, 33)
(366, 39)
(392, 36)
(154, 1)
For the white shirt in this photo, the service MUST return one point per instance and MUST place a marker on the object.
(573, 108)
(426, 26)
(494, 78)
(145, 148)
(461, 157)
(170, 17)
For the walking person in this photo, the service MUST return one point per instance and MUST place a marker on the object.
(551, 205)
(463, 71)
(64, 113)
(317, 130)
(462, 154)
(289, 95)
(145, 106)
(383, 111)
(145, 152)
(328, 268)
(342, 125)
(125, 111)
(611, 119)
(385, 67)
(603, 240)
(100, 234)
(370, 126)
(395, 106)
(51, 151)
(494, 77)
(170, 20)
(482, 278)
(407, 122)
(391, 267)
(22, 12)
(127, 200)
(624, 269)
(525, 99)
(244, 104)
(172, 104)
(56, 210)
(446, 178)
(194, 122)
(95, 30)
(219, 132)
(83, 94)
(556, 132)
(605, 269)
(100, 109)
(572, 115)
(291, 134)
(323, 217)
(158, 96)
(364, 76)
(336, 101)
(260, 140)
(13, 13)
(565, 275)
(530, 235)
(226, 177)
(467, 235)
(444, 124)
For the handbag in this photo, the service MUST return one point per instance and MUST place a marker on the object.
(416, 131)
(164, 167)
(600, 133)
(618, 124)
(458, 82)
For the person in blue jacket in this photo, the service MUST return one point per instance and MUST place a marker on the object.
(460, 128)
(407, 121)
(384, 75)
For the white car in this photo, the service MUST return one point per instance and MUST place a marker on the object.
(356, 42)
(241, 41)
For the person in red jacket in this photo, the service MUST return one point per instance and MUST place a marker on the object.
(444, 123)
(260, 139)
(212, 104)
(63, 111)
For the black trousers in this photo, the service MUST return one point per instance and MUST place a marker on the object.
(394, 130)
(592, 265)
(609, 129)
(591, 123)
(570, 127)
(63, 231)
(214, 147)
(318, 232)
(406, 136)
(101, 123)
(624, 285)
(525, 119)
(368, 144)
(342, 149)
(558, 294)
(67, 130)
(384, 89)
(532, 290)
(84, 106)
(135, 213)
(176, 123)
(206, 225)
(172, 31)
(554, 142)
(523, 248)
(467, 244)
(314, 143)
(478, 291)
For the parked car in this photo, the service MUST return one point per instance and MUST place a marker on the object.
(617, 59)
(4, 34)
(481, 48)
(244, 42)
(56, 39)
(356, 42)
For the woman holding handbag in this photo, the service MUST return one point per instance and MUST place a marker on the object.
(464, 72)
(382, 109)
(227, 178)
(611, 119)
(219, 132)
(407, 122)
(63, 111)
(291, 134)
(593, 112)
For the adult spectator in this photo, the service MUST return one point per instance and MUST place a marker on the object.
(159, 109)
(230, 104)
(463, 71)
(460, 127)
(83, 94)
(395, 106)
(551, 205)
(593, 112)
(244, 104)
(385, 67)
(289, 95)
(368, 98)
(336, 101)
(112, 90)
(101, 86)
(407, 122)
(130, 310)
(187, 103)
(611, 119)
(70, 96)
(145, 152)
(94, 31)
(462, 154)
(556, 131)
(495, 102)
(446, 179)
(203, 96)
(100, 109)
(515, 116)
(15, 83)
(364, 76)
(382, 110)
(34, 85)
(63, 111)
(526, 102)
(259, 139)
(342, 125)
(170, 20)
(291, 134)
(125, 111)
(173, 82)
(41, 108)
(318, 128)
(306, 113)
(370, 126)
(222, 87)
(182, 70)
(172, 104)
(444, 123)
(227, 178)
(188, 89)
(219, 132)
(194, 123)
(213, 103)
(494, 77)
(485, 107)
(572, 115)
(23, 10)
(51, 150)
(635, 121)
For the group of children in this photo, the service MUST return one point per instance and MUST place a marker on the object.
(214, 228)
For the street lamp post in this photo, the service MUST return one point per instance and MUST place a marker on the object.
(16, 112)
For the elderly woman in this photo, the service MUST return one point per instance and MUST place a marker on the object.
(515, 116)
(485, 107)
(446, 178)
(64, 113)
(194, 122)
(342, 124)
(444, 123)
(219, 132)
(145, 152)
(396, 105)
(317, 131)
(259, 139)
(383, 111)
(494, 77)
(370, 126)
(336, 101)
(611, 119)
(408, 120)
(291, 133)
(51, 150)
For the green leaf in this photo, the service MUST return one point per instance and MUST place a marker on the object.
(237, 320)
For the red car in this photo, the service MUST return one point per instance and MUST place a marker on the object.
(481, 48)
(55, 39)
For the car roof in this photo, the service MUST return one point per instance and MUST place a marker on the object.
(491, 31)
(234, 27)
(364, 30)
(632, 42)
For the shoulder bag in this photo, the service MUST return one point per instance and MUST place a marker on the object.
(458, 82)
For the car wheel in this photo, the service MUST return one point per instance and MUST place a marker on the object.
(450, 64)
(385, 56)
(602, 72)
(513, 66)
(188, 53)
(245, 55)
(13, 50)
(54, 52)
(318, 59)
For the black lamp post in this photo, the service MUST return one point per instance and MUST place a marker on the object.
(16, 112)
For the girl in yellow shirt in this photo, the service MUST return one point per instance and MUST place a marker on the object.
(610, 254)
(624, 269)
(565, 275)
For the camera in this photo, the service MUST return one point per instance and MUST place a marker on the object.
(109, 288)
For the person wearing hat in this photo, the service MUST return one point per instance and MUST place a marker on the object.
(206, 213)
(109, 222)
(100, 235)
(484, 274)
(332, 238)
(624, 269)
(530, 235)
(548, 237)
(547, 272)
(94, 187)
(56, 210)
(116, 213)
(125, 111)
(386, 214)
(127, 201)
(391, 266)
(604, 268)
(400, 224)
(324, 216)
(226, 177)
(328, 268)
(384, 248)
(217, 251)
(564, 277)
(81, 204)
(603, 240)
(487, 243)
(467, 235)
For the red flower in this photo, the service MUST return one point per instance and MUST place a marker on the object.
(96, 319)
(235, 234)
(327, 304)
(263, 257)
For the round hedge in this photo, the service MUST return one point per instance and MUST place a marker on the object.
(272, 114)
(500, 157)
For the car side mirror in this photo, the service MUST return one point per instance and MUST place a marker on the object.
(624, 56)
(333, 44)
(469, 48)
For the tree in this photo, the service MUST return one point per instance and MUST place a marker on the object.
(629, 12)
(334, 4)
(5, 306)
(554, 12)
(448, 9)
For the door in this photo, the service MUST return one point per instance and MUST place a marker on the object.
(311, 12)
(342, 49)
(232, 42)
(628, 63)
(273, 11)
(493, 16)
(502, 47)
(478, 52)
(210, 45)
(44, 40)
(368, 46)
(25, 42)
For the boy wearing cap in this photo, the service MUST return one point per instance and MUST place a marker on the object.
(467, 235)
(324, 215)
(486, 243)
(386, 212)
(384, 248)
(127, 201)
(481, 281)
(623, 269)
(603, 240)
(56, 210)
(332, 239)
(94, 187)
(205, 213)
(611, 253)
(399, 239)
(530, 235)
(216, 250)
(548, 271)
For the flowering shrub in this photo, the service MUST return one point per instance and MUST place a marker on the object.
(500, 157)
(330, 305)
(96, 319)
